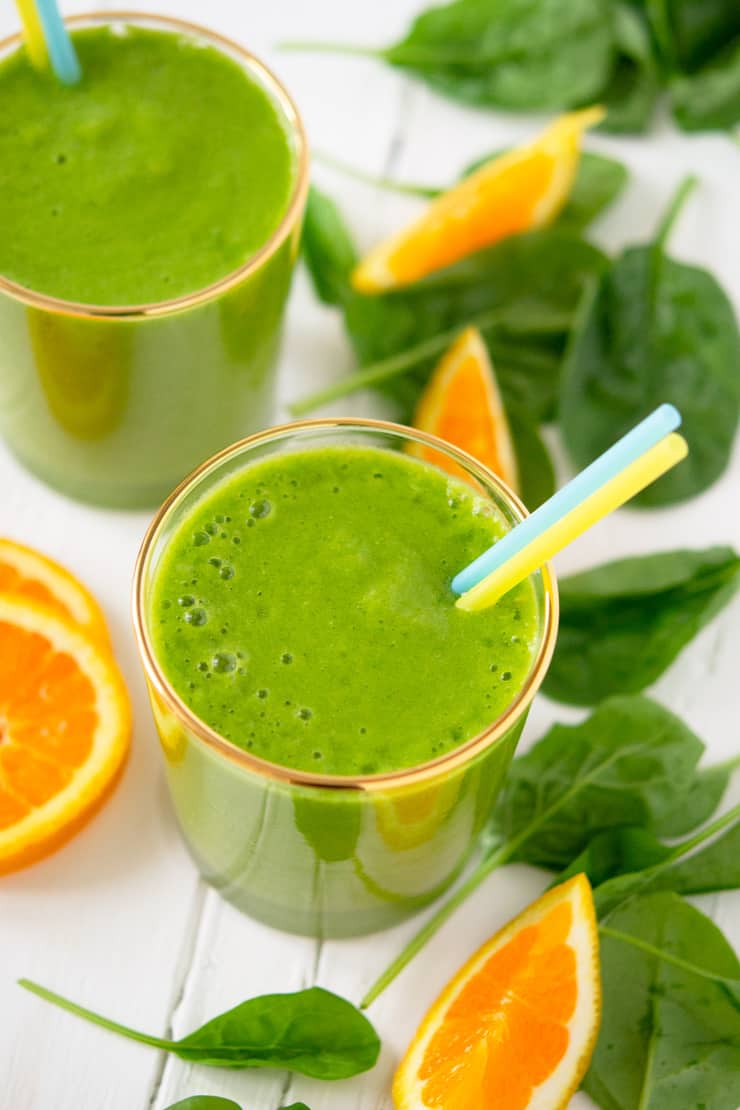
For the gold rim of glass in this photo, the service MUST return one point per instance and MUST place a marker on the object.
(408, 776)
(292, 214)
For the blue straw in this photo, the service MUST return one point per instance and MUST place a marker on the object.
(626, 450)
(61, 51)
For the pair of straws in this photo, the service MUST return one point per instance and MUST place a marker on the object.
(631, 464)
(47, 40)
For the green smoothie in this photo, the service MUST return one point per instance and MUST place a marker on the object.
(303, 610)
(160, 201)
(162, 171)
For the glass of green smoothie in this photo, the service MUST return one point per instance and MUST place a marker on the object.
(149, 223)
(335, 730)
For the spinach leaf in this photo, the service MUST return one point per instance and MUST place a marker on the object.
(627, 764)
(205, 1102)
(327, 246)
(554, 54)
(528, 286)
(536, 471)
(622, 624)
(631, 94)
(528, 371)
(598, 182)
(681, 869)
(710, 97)
(523, 294)
(213, 1102)
(614, 852)
(624, 861)
(654, 330)
(313, 1032)
(700, 801)
(669, 1037)
(690, 32)
(534, 281)
(520, 54)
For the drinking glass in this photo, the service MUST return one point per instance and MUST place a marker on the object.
(328, 855)
(114, 404)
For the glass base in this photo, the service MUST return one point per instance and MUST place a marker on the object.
(316, 919)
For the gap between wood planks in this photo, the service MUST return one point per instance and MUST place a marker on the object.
(183, 970)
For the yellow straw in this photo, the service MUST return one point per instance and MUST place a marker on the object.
(33, 33)
(610, 496)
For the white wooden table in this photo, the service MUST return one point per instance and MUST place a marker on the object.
(119, 918)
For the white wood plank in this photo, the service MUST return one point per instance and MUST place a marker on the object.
(103, 919)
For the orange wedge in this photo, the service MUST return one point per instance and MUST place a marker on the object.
(462, 404)
(518, 191)
(516, 1027)
(65, 723)
(28, 574)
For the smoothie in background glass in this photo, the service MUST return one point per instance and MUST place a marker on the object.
(149, 219)
(335, 730)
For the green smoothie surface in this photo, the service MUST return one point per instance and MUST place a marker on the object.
(303, 610)
(163, 170)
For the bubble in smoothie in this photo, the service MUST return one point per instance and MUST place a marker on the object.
(196, 617)
(260, 509)
(223, 662)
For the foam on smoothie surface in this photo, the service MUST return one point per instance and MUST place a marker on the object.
(165, 169)
(304, 611)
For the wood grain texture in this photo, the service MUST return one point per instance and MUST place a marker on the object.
(119, 919)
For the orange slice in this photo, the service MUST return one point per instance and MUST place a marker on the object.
(28, 574)
(65, 723)
(516, 1027)
(462, 404)
(518, 191)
